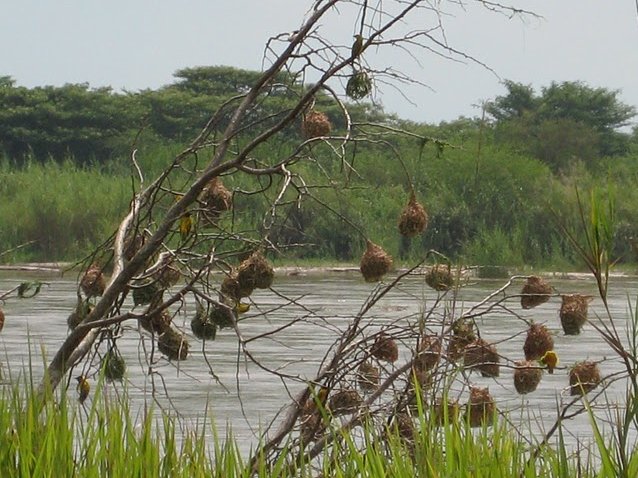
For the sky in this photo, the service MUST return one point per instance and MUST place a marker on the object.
(138, 44)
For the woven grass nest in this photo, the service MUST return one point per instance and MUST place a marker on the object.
(168, 275)
(368, 377)
(173, 344)
(255, 272)
(536, 291)
(114, 366)
(1, 320)
(440, 277)
(93, 282)
(215, 199)
(537, 342)
(157, 322)
(344, 402)
(385, 348)
(202, 326)
(413, 219)
(375, 262)
(428, 353)
(527, 376)
(573, 312)
(584, 377)
(82, 309)
(233, 290)
(132, 244)
(481, 407)
(359, 85)
(463, 334)
(404, 426)
(146, 293)
(441, 407)
(315, 124)
(483, 357)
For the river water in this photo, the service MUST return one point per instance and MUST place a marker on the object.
(247, 397)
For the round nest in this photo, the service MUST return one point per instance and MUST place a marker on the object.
(413, 219)
(450, 407)
(359, 85)
(233, 289)
(202, 326)
(462, 335)
(573, 312)
(215, 199)
(255, 272)
(584, 377)
(315, 124)
(221, 316)
(1, 320)
(537, 342)
(344, 402)
(375, 262)
(173, 344)
(428, 353)
(312, 426)
(168, 275)
(481, 408)
(385, 348)
(368, 377)
(404, 426)
(93, 282)
(439, 277)
(82, 309)
(132, 244)
(156, 323)
(114, 366)
(482, 356)
(536, 291)
(527, 376)
(147, 293)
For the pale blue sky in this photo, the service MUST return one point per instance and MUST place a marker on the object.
(136, 44)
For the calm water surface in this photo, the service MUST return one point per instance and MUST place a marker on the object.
(250, 397)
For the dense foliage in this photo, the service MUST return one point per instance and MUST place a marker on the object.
(492, 188)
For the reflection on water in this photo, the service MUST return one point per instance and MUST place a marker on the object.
(249, 397)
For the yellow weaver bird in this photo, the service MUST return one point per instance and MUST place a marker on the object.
(83, 388)
(550, 360)
(185, 225)
(242, 308)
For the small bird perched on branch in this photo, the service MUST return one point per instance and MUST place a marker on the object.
(357, 46)
(550, 360)
(83, 388)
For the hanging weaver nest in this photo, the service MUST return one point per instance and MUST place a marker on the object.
(442, 407)
(375, 262)
(157, 322)
(344, 402)
(482, 356)
(202, 325)
(584, 377)
(573, 312)
(413, 219)
(428, 353)
(82, 309)
(527, 376)
(463, 334)
(368, 377)
(93, 282)
(255, 272)
(233, 289)
(538, 341)
(1, 320)
(114, 366)
(147, 293)
(215, 199)
(315, 124)
(536, 291)
(403, 425)
(168, 275)
(385, 348)
(359, 85)
(313, 426)
(481, 408)
(221, 316)
(439, 277)
(173, 344)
